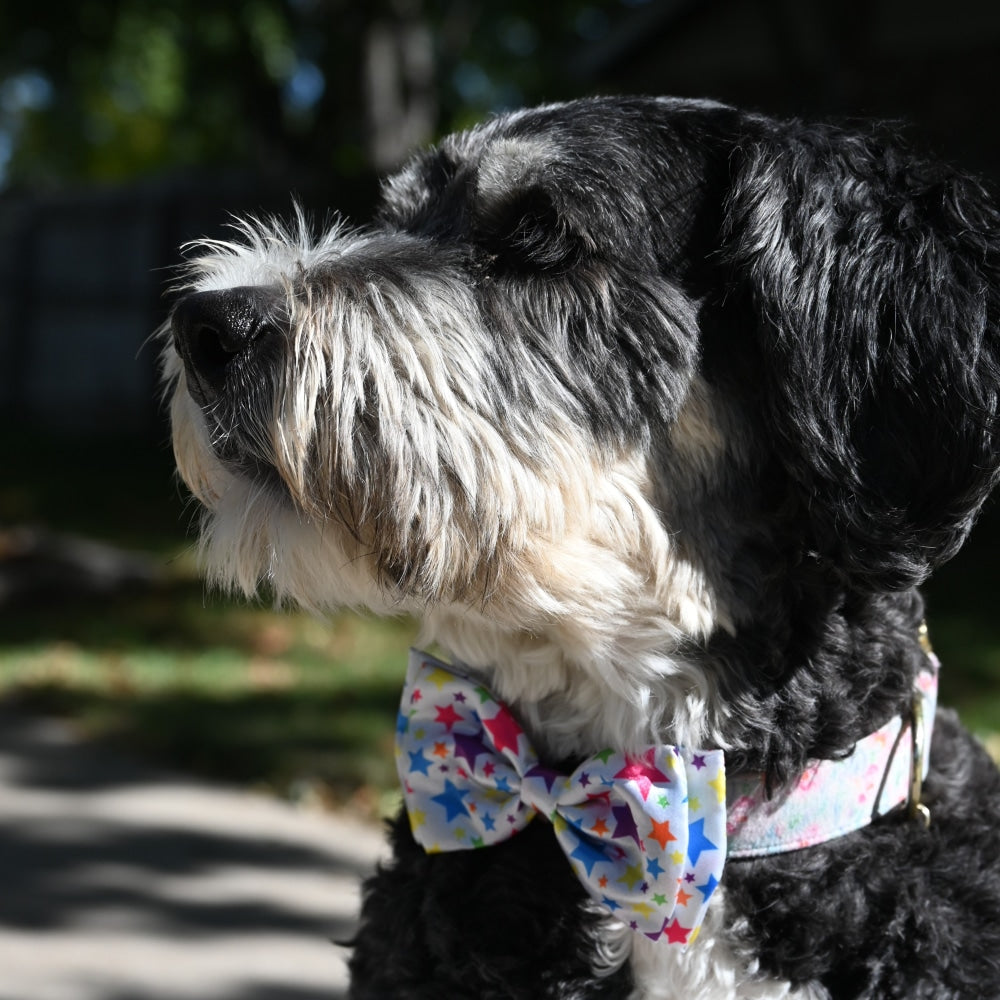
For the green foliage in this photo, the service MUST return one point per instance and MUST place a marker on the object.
(122, 88)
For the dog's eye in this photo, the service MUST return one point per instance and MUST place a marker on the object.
(526, 232)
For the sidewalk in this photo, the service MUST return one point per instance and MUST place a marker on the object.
(118, 882)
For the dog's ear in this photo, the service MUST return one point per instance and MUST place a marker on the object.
(874, 285)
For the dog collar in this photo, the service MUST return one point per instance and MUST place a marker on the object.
(647, 835)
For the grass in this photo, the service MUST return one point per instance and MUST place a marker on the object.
(281, 701)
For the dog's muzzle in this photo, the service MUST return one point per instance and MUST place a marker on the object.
(221, 335)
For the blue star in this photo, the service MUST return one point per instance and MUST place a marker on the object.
(418, 762)
(653, 867)
(488, 823)
(709, 887)
(451, 799)
(587, 855)
(402, 723)
(503, 786)
(610, 904)
(698, 842)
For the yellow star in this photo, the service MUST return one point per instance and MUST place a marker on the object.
(459, 833)
(694, 804)
(417, 818)
(719, 784)
(558, 823)
(644, 908)
(631, 875)
(439, 677)
(677, 858)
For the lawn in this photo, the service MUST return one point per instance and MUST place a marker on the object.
(281, 701)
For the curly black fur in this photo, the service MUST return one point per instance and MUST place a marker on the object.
(463, 925)
(842, 300)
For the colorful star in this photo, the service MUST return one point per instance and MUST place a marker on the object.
(447, 715)
(469, 748)
(659, 899)
(545, 774)
(661, 833)
(439, 677)
(719, 784)
(644, 909)
(600, 828)
(698, 842)
(698, 761)
(676, 934)
(440, 749)
(631, 875)
(643, 773)
(654, 868)
(603, 756)
(683, 897)
(504, 729)
(588, 855)
(709, 887)
(451, 800)
(418, 762)
(625, 824)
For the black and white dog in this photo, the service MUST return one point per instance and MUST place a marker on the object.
(656, 413)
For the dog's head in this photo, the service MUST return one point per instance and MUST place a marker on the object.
(603, 381)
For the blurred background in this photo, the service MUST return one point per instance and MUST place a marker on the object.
(128, 127)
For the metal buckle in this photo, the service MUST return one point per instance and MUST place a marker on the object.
(918, 725)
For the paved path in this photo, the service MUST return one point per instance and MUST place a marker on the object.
(121, 883)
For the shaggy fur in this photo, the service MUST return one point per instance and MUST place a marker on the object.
(656, 413)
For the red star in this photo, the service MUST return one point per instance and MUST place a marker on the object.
(447, 715)
(676, 934)
(488, 768)
(661, 834)
(416, 696)
(643, 773)
(504, 729)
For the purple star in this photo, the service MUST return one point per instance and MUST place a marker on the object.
(584, 779)
(698, 761)
(625, 824)
(546, 774)
(469, 748)
(459, 697)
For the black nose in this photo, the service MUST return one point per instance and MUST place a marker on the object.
(216, 331)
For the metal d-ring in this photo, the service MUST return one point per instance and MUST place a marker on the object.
(919, 728)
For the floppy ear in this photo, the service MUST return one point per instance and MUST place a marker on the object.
(874, 280)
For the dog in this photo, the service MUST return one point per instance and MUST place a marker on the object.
(656, 413)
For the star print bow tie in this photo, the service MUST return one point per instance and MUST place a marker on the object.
(646, 835)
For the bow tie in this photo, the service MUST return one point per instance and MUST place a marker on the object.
(646, 834)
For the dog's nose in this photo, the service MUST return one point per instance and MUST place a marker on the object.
(214, 330)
